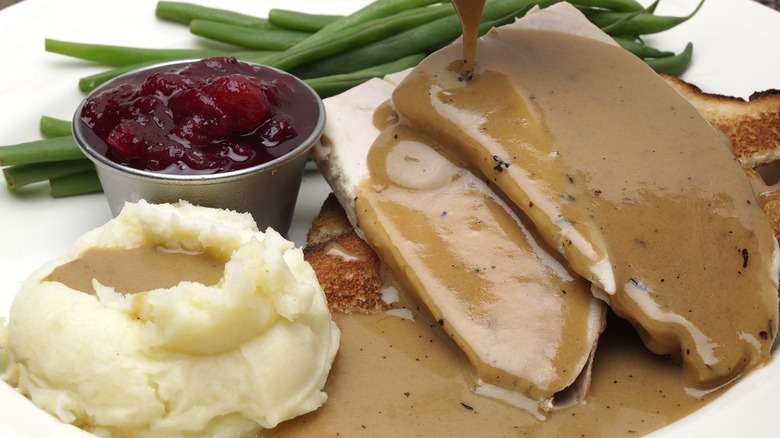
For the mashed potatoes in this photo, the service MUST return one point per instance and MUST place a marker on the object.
(225, 360)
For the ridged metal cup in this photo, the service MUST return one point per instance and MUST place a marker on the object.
(268, 191)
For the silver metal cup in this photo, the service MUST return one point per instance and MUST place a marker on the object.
(268, 191)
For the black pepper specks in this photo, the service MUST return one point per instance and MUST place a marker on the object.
(637, 284)
(469, 408)
(745, 256)
(500, 163)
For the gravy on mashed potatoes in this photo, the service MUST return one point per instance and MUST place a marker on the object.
(250, 348)
(119, 268)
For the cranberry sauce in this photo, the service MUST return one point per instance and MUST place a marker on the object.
(214, 115)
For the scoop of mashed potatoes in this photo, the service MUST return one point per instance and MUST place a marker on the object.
(224, 360)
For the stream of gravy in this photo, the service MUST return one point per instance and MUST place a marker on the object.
(135, 270)
(470, 14)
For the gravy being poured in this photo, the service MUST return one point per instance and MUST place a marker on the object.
(141, 269)
(470, 14)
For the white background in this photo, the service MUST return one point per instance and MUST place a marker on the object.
(736, 52)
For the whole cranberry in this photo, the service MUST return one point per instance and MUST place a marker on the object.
(241, 99)
(125, 140)
(192, 132)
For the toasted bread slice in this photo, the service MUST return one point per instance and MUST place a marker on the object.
(752, 126)
(347, 268)
(770, 203)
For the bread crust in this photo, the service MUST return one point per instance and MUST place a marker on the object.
(347, 268)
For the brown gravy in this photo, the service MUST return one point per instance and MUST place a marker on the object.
(409, 378)
(479, 268)
(145, 268)
(397, 377)
(624, 178)
(470, 14)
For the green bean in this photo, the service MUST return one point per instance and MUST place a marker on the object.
(26, 174)
(362, 34)
(375, 10)
(651, 8)
(331, 85)
(612, 5)
(621, 20)
(372, 11)
(52, 127)
(303, 21)
(50, 149)
(673, 65)
(123, 55)
(89, 83)
(182, 12)
(419, 39)
(256, 39)
(642, 23)
(640, 49)
(485, 26)
(79, 183)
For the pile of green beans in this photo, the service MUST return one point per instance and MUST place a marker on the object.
(332, 53)
(56, 160)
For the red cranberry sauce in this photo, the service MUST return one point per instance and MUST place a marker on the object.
(210, 116)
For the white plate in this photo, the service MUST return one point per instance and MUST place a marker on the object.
(737, 51)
